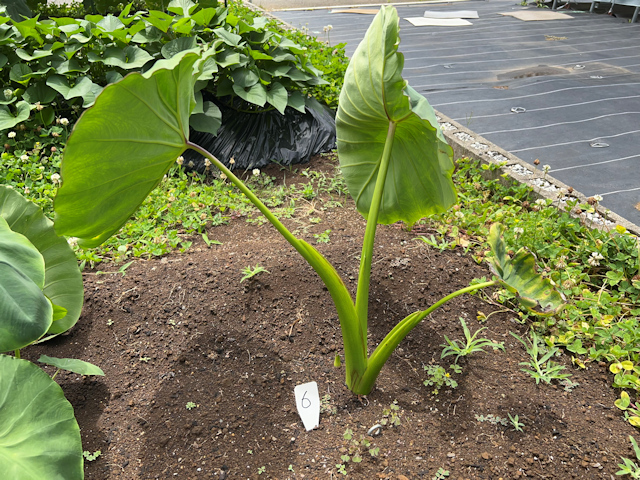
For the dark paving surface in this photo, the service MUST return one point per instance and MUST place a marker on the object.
(577, 79)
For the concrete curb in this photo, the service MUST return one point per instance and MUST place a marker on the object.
(466, 143)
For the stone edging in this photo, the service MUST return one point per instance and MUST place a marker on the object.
(466, 143)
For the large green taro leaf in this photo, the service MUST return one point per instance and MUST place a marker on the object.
(16, 250)
(121, 148)
(518, 275)
(25, 313)
(39, 435)
(63, 280)
(373, 98)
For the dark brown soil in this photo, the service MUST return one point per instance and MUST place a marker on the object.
(185, 329)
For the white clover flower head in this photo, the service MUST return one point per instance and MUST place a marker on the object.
(256, 172)
(11, 134)
(39, 107)
(8, 93)
(518, 230)
(327, 28)
(594, 259)
(24, 157)
(459, 214)
(546, 168)
(27, 190)
(64, 121)
(223, 176)
(207, 162)
(542, 202)
(55, 178)
(190, 164)
(180, 160)
(73, 241)
(597, 198)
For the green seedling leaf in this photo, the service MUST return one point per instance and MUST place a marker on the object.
(63, 280)
(40, 438)
(623, 402)
(108, 172)
(374, 100)
(519, 276)
(73, 365)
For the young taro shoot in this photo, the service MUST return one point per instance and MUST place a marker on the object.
(394, 157)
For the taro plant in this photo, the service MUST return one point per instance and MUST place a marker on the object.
(395, 161)
(41, 294)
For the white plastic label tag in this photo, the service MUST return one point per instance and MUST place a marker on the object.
(308, 403)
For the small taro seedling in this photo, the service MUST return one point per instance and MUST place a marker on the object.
(394, 158)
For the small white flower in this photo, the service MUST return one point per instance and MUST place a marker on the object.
(327, 28)
(546, 168)
(232, 161)
(597, 198)
(207, 162)
(459, 214)
(24, 158)
(55, 178)
(8, 93)
(256, 172)
(518, 230)
(73, 241)
(27, 190)
(180, 160)
(594, 259)
(191, 164)
(542, 202)
(64, 121)
(11, 134)
(223, 176)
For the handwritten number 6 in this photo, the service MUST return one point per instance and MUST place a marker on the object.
(305, 399)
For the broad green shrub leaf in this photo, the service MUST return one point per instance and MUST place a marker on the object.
(209, 120)
(178, 45)
(39, 435)
(61, 85)
(20, 73)
(181, 7)
(121, 148)
(256, 94)
(110, 24)
(296, 100)
(160, 20)
(73, 365)
(34, 56)
(39, 92)
(374, 98)
(127, 58)
(16, 250)
(519, 276)
(278, 97)
(63, 280)
(25, 313)
(9, 120)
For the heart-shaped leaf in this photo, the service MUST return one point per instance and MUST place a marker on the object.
(277, 96)
(39, 92)
(178, 45)
(73, 365)
(39, 435)
(127, 58)
(108, 172)
(9, 120)
(256, 94)
(181, 7)
(63, 280)
(209, 120)
(61, 85)
(518, 275)
(375, 101)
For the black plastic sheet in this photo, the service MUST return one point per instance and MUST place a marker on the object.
(256, 139)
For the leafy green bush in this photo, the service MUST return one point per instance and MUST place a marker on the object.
(57, 67)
